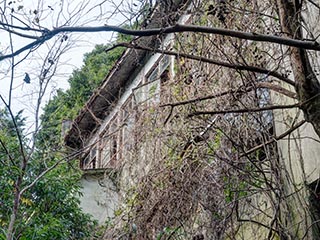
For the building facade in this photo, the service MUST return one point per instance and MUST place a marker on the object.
(186, 138)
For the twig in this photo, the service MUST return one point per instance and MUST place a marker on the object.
(311, 45)
(207, 60)
(245, 110)
(275, 138)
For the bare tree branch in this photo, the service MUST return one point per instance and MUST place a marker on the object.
(304, 44)
(283, 135)
(208, 60)
(249, 110)
(241, 89)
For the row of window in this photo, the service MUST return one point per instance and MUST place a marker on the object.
(117, 138)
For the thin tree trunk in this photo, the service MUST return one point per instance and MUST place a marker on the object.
(307, 85)
(16, 203)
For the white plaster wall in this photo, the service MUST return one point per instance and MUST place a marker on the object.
(299, 151)
(100, 197)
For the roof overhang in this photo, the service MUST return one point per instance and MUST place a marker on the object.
(125, 69)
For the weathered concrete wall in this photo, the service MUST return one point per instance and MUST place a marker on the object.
(300, 150)
(100, 196)
(299, 155)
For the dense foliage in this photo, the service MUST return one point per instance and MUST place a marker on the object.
(9, 160)
(50, 208)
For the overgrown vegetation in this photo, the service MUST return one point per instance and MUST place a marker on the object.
(50, 208)
(215, 170)
(221, 155)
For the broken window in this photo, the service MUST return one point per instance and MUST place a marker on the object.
(159, 68)
(113, 141)
(90, 161)
(104, 150)
(128, 119)
(149, 92)
(109, 144)
(314, 201)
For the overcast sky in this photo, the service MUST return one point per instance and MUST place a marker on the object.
(24, 95)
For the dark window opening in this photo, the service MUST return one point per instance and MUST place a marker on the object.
(314, 201)
(113, 147)
(165, 76)
(93, 163)
(90, 160)
(113, 150)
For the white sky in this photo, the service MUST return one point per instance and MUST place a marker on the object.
(24, 95)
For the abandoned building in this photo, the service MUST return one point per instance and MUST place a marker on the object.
(173, 144)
